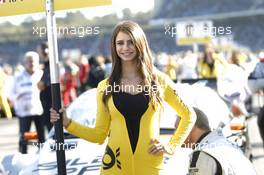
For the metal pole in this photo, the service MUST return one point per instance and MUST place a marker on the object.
(55, 85)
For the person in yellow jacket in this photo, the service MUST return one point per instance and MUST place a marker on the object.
(208, 63)
(171, 68)
(4, 105)
(129, 106)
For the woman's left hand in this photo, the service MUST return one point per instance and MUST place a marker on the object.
(156, 147)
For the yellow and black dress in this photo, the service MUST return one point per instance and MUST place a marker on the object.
(132, 130)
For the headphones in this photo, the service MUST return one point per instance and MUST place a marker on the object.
(44, 48)
(46, 51)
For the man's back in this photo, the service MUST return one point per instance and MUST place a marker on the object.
(215, 155)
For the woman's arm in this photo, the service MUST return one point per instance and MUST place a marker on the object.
(185, 112)
(99, 133)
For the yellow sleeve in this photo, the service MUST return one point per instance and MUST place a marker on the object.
(4, 105)
(3, 98)
(186, 114)
(99, 133)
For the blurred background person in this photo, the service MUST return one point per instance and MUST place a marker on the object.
(188, 66)
(69, 82)
(26, 99)
(97, 72)
(232, 80)
(4, 105)
(256, 85)
(171, 67)
(237, 58)
(256, 77)
(84, 69)
(261, 123)
(207, 64)
(8, 83)
(44, 84)
(108, 65)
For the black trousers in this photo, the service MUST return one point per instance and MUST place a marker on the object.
(24, 126)
(46, 114)
(261, 123)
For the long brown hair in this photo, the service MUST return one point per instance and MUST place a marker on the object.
(143, 57)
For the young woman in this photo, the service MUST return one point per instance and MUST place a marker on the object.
(129, 105)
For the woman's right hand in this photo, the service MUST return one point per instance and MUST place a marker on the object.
(55, 116)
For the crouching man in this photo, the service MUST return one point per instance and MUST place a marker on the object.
(212, 153)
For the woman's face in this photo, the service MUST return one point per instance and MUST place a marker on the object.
(125, 47)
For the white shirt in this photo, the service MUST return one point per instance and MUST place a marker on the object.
(26, 95)
(216, 147)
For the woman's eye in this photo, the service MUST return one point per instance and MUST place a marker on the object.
(130, 42)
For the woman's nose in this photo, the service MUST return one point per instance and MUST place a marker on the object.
(126, 45)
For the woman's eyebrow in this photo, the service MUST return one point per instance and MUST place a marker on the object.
(123, 40)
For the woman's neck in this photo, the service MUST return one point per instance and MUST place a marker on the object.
(129, 70)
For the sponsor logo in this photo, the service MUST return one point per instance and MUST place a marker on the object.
(110, 158)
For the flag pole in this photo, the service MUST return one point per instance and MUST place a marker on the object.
(55, 84)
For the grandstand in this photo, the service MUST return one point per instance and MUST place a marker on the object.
(191, 8)
(245, 17)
